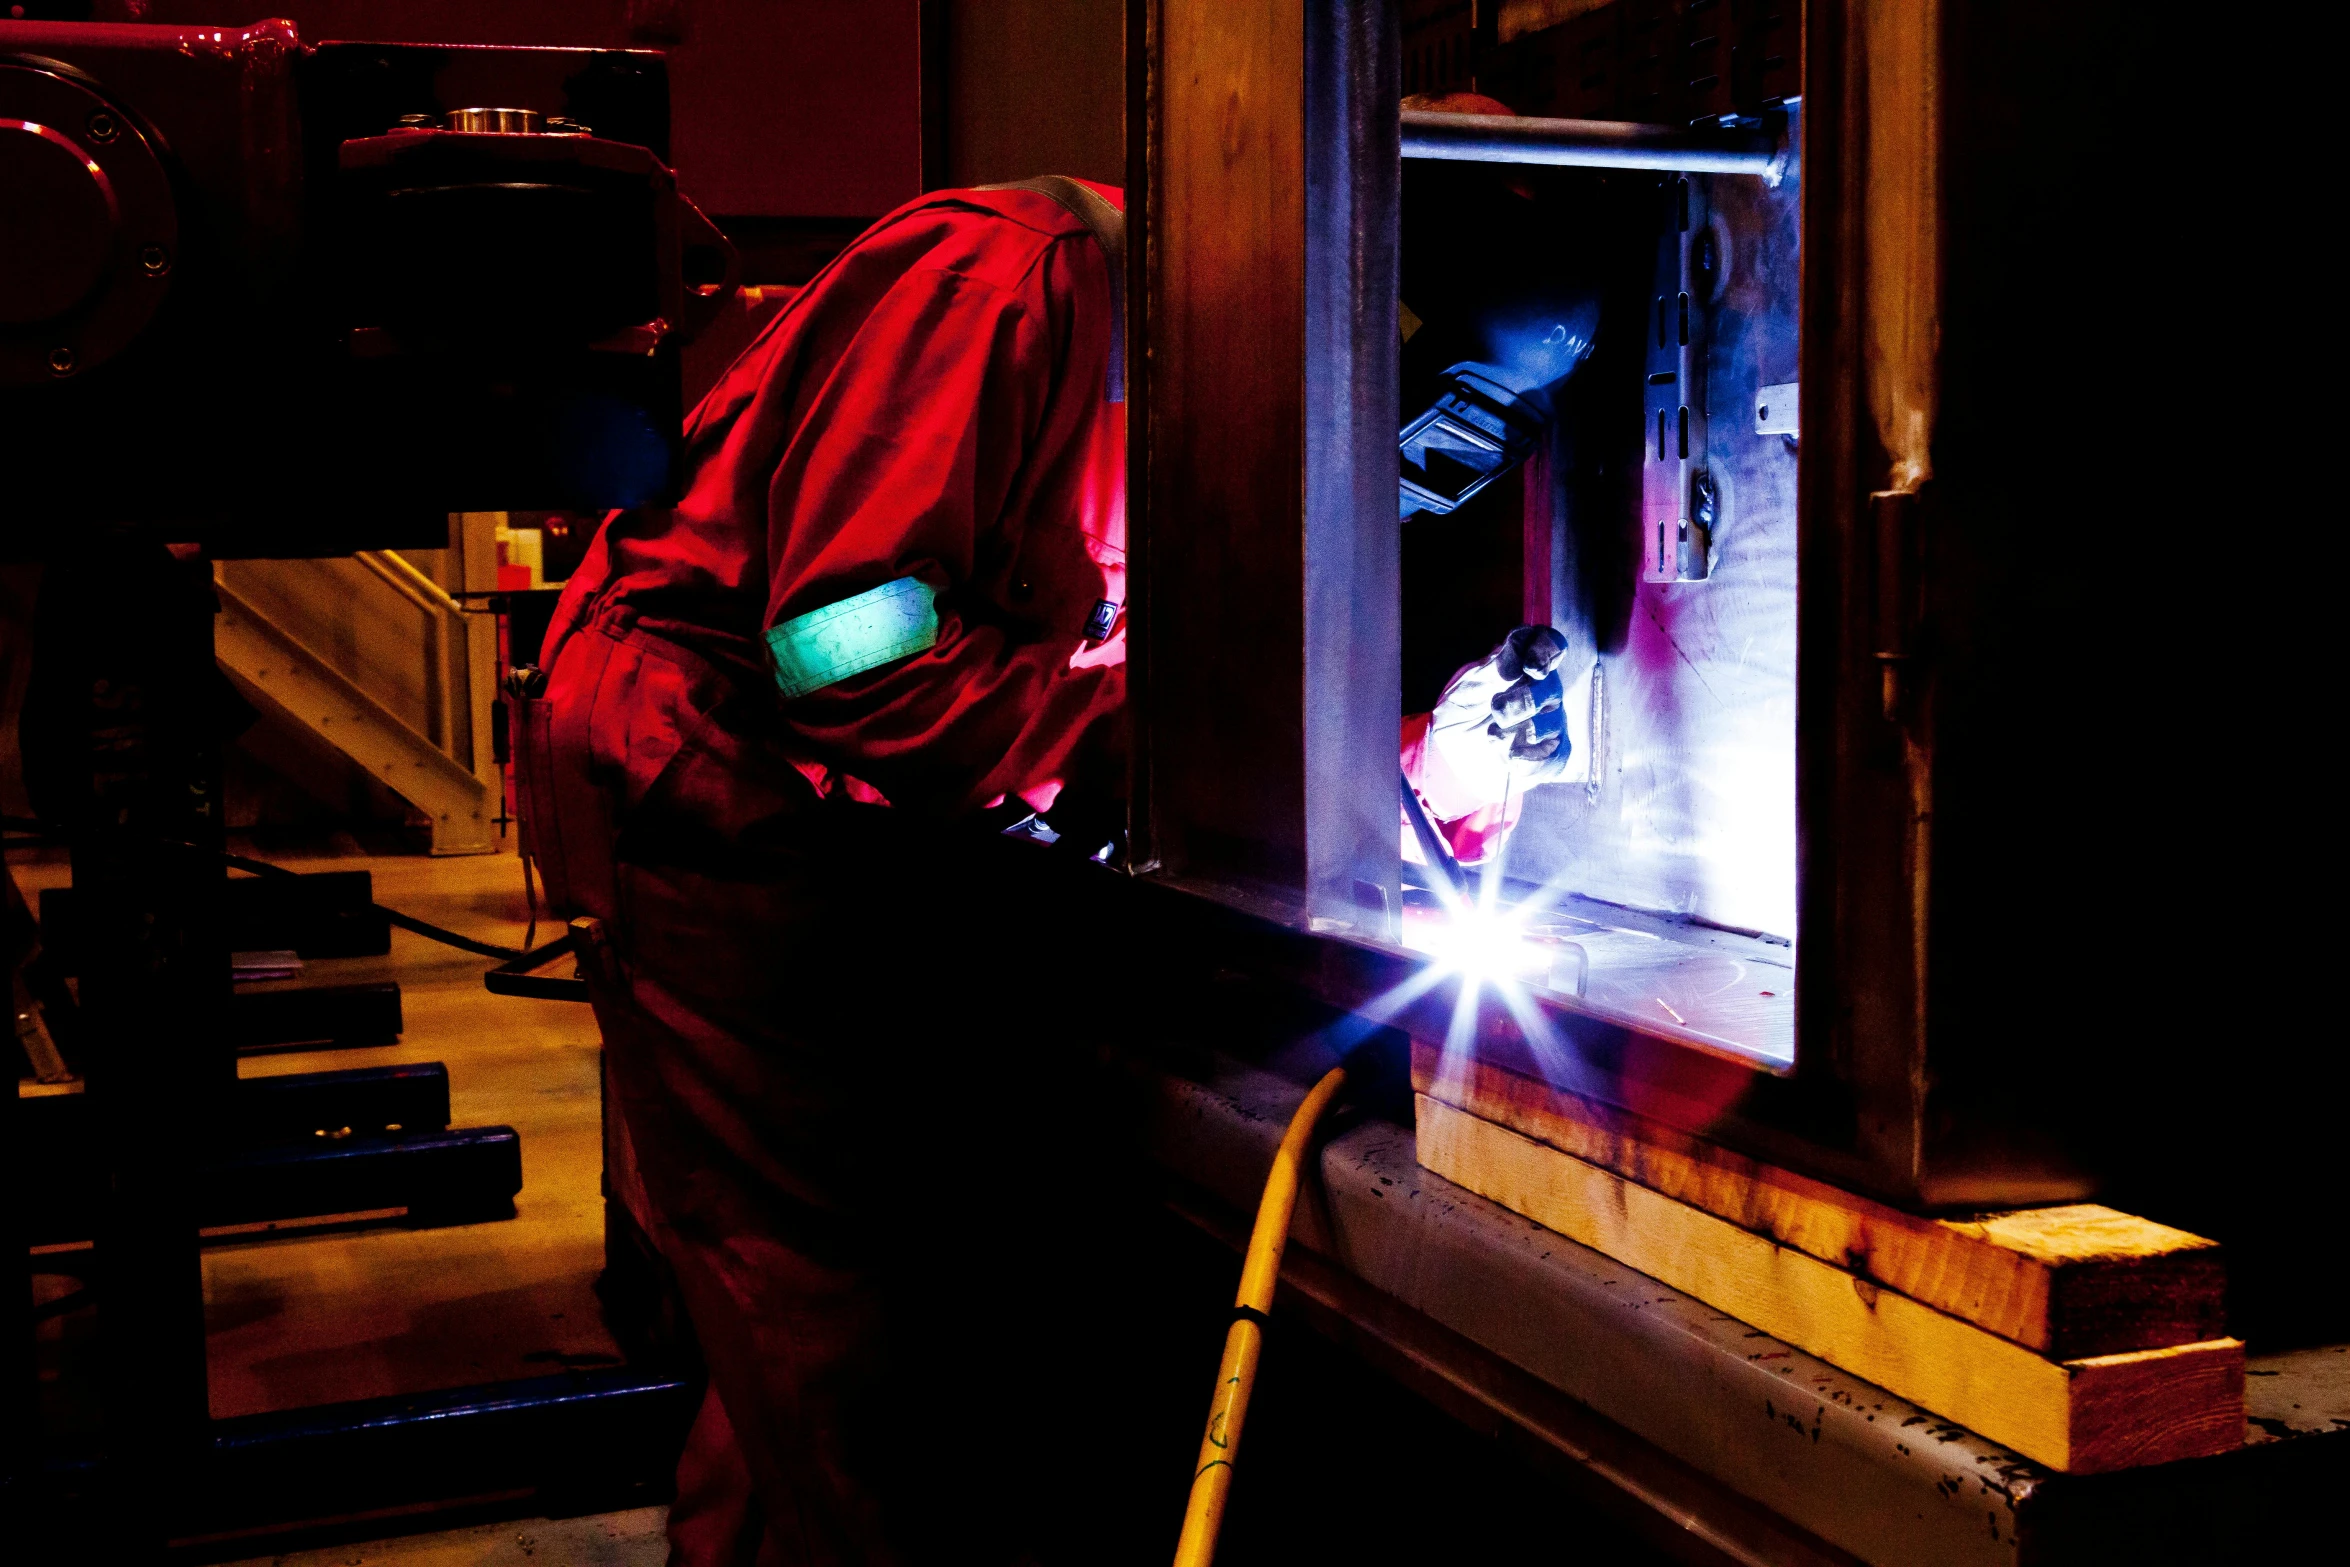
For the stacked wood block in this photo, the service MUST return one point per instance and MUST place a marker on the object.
(2081, 1337)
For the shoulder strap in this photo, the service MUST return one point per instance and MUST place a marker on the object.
(1108, 227)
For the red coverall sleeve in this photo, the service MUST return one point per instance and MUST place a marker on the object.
(914, 459)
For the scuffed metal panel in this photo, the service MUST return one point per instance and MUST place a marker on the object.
(2298, 1393)
(1842, 1458)
(1694, 810)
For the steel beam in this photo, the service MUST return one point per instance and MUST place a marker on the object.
(1593, 144)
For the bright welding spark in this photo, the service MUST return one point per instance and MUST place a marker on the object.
(1486, 948)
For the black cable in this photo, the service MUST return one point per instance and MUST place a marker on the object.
(238, 862)
(449, 938)
(407, 922)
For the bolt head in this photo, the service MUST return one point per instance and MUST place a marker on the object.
(103, 127)
(156, 260)
(61, 361)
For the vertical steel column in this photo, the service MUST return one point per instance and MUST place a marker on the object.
(20, 1404)
(1268, 662)
(1353, 548)
(131, 718)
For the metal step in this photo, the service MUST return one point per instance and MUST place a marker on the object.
(450, 1176)
(320, 914)
(460, 1176)
(589, 1437)
(313, 1017)
(372, 1101)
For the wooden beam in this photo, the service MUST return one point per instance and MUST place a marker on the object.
(2070, 1282)
(2087, 1415)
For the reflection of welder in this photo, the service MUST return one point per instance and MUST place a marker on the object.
(1487, 409)
(1497, 316)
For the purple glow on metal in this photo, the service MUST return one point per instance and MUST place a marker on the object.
(1691, 818)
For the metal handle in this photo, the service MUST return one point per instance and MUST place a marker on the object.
(518, 976)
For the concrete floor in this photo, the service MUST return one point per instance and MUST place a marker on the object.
(629, 1539)
(311, 1314)
(295, 1320)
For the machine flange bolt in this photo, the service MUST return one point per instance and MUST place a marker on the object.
(61, 361)
(156, 260)
(103, 126)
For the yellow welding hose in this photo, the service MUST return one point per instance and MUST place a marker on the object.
(1211, 1482)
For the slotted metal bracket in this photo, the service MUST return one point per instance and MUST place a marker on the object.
(1675, 493)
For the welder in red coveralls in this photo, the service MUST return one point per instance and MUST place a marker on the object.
(927, 448)
(793, 1007)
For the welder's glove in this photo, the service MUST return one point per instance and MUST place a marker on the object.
(1499, 726)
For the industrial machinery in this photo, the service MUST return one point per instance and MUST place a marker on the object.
(337, 258)
(284, 299)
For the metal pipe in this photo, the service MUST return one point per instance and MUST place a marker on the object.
(1592, 144)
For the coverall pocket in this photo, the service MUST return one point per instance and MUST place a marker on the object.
(1064, 579)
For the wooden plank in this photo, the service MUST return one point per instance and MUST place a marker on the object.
(2071, 1282)
(2105, 1412)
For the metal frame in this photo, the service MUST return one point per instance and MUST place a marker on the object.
(1266, 638)
(1267, 286)
(131, 774)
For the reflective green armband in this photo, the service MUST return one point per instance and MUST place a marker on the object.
(876, 627)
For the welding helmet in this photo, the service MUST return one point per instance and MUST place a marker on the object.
(1484, 414)
(1500, 307)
